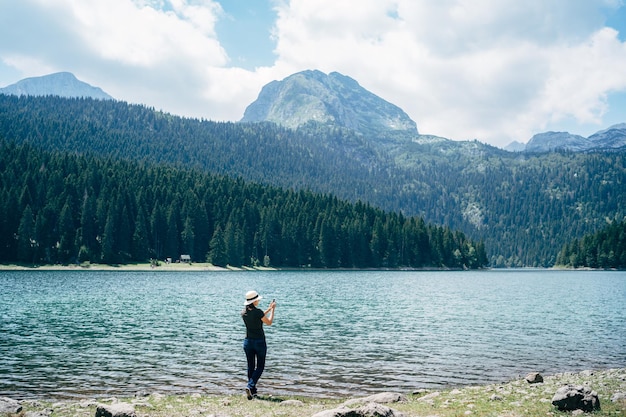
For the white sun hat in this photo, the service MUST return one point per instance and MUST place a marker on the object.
(251, 297)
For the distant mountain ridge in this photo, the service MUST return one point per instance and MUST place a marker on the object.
(336, 99)
(549, 141)
(62, 84)
(608, 139)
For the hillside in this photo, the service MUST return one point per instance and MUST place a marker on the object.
(524, 206)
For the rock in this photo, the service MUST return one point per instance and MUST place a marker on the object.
(382, 398)
(336, 412)
(46, 413)
(368, 410)
(576, 397)
(115, 410)
(496, 397)
(429, 397)
(9, 405)
(534, 378)
(421, 391)
(293, 403)
(618, 397)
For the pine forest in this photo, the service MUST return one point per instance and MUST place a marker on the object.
(605, 249)
(64, 208)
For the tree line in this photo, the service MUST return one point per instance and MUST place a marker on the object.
(63, 208)
(605, 249)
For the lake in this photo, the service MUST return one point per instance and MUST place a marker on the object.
(75, 334)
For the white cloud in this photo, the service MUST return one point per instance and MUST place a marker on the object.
(134, 51)
(492, 70)
(495, 70)
(581, 77)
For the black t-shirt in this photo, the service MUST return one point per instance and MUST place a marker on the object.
(254, 325)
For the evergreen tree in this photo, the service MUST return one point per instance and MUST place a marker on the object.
(171, 247)
(140, 250)
(188, 237)
(233, 245)
(26, 240)
(66, 249)
(158, 226)
(217, 251)
(88, 233)
(109, 252)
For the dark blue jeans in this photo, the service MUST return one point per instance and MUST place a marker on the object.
(256, 350)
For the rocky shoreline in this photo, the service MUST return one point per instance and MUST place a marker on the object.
(602, 392)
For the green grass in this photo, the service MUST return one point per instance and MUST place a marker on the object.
(512, 399)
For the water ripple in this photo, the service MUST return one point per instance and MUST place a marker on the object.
(82, 333)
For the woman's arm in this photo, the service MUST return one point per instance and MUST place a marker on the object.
(268, 318)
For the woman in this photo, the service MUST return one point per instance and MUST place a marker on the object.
(254, 344)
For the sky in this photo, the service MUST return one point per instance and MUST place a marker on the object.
(493, 70)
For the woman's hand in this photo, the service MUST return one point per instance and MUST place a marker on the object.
(269, 318)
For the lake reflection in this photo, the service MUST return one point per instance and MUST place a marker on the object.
(86, 333)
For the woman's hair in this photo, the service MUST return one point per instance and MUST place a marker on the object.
(249, 307)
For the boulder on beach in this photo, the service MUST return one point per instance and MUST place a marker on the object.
(116, 410)
(38, 413)
(619, 397)
(576, 397)
(291, 403)
(367, 410)
(381, 398)
(429, 397)
(534, 378)
(9, 406)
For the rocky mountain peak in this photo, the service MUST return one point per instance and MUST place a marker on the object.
(62, 84)
(550, 141)
(612, 138)
(333, 98)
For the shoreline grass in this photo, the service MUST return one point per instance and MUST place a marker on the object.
(515, 398)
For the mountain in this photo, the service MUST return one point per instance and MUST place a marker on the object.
(605, 140)
(333, 99)
(613, 137)
(515, 146)
(550, 141)
(62, 84)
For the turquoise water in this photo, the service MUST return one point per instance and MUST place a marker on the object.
(96, 333)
